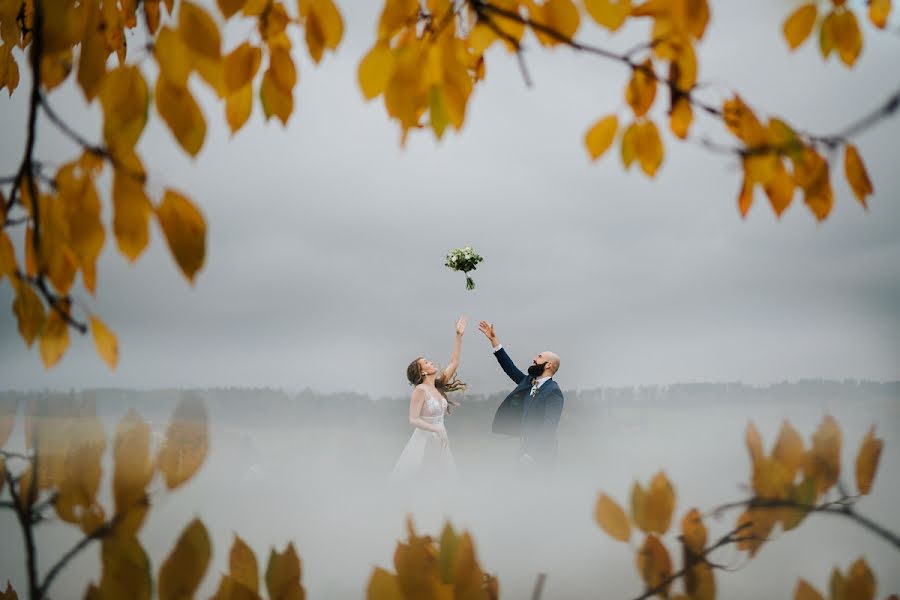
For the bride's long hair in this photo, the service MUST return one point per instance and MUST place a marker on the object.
(415, 376)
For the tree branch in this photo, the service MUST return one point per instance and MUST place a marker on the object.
(23, 516)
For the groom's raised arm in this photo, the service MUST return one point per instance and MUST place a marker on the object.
(502, 357)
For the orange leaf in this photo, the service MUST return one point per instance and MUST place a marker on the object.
(186, 443)
(693, 531)
(131, 215)
(283, 575)
(856, 173)
(680, 117)
(649, 148)
(29, 311)
(641, 90)
(780, 189)
(54, 339)
(600, 136)
(242, 565)
(823, 461)
(106, 343)
(799, 25)
(879, 10)
(867, 461)
(654, 564)
(804, 591)
(185, 231)
(860, 582)
(789, 450)
(612, 519)
(608, 13)
(847, 36)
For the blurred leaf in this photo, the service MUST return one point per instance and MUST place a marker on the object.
(375, 70)
(450, 542)
(124, 97)
(789, 450)
(780, 189)
(186, 443)
(804, 591)
(241, 65)
(283, 575)
(608, 13)
(866, 461)
(9, 593)
(183, 570)
(7, 255)
(54, 339)
(229, 589)
(799, 25)
(681, 117)
(278, 83)
(860, 582)
(199, 31)
(131, 215)
(8, 409)
(804, 494)
(185, 232)
(238, 107)
(383, 586)
(29, 311)
(173, 57)
(693, 531)
(879, 10)
(126, 569)
(654, 564)
(132, 472)
(600, 136)
(856, 173)
(846, 36)
(560, 16)
(652, 509)
(759, 525)
(700, 582)
(648, 147)
(242, 565)
(612, 519)
(641, 90)
(823, 461)
(182, 114)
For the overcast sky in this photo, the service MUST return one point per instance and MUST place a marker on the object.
(326, 239)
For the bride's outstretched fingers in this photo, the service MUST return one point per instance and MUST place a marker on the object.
(461, 325)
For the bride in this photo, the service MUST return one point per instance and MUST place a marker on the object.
(428, 450)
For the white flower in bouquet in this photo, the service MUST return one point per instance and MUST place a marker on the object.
(464, 259)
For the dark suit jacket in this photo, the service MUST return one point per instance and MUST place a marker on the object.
(533, 419)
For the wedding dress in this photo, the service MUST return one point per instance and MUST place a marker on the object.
(424, 455)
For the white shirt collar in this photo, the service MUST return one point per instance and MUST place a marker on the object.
(540, 381)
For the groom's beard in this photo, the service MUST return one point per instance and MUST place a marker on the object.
(536, 370)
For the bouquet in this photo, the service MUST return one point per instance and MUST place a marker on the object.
(464, 259)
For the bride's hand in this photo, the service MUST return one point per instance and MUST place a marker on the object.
(461, 325)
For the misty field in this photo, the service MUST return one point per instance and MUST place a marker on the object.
(314, 469)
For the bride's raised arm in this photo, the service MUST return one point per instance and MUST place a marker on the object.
(450, 371)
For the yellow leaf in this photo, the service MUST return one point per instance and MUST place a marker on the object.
(608, 13)
(182, 571)
(652, 508)
(55, 68)
(81, 206)
(283, 575)
(804, 591)
(229, 589)
(54, 339)
(131, 215)
(699, 582)
(241, 65)
(185, 232)
(315, 37)
(182, 114)
(8, 263)
(383, 586)
(799, 25)
(756, 526)
(754, 443)
(641, 90)
(629, 145)
(238, 107)
(375, 70)
(151, 14)
(126, 569)
(860, 582)
(789, 450)
(199, 31)
(648, 147)
(82, 471)
(186, 443)
(397, 14)
(741, 121)
(654, 564)
(29, 311)
(879, 10)
(826, 35)
(8, 409)
(780, 189)
(560, 16)
(693, 531)
(172, 55)
(9, 69)
(612, 519)
(242, 565)
(329, 23)
(823, 461)
(802, 494)
(449, 554)
(230, 7)
(847, 36)
(680, 117)
(124, 98)
(105, 342)
(867, 461)
(600, 136)
(278, 83)
(856, 173)
(132, 472)
(683, 69)
(694, 17)
(811, 174)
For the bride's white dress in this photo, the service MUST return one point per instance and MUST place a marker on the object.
(424, 455)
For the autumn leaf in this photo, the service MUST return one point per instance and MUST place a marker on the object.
(186, 442)
(856, 174)
(242, 565)
(283, 575)
(182, 114)
(124, 97)
(7, 256)
(804, 591)
(383, 586)
(182, 571)
(780, 189)
(654, 564)
(131, 215)
(8, 409)
(81, 470)
(132, 472)
(172, 55)
(680, 117)
(559, 15)
(867, 461)
(641, 90)
(788, 450)
(823, 460)
(199, 31)
(600, 136)
(846, 36)
(375, 70)
(608, 13)
(755, 526)
(860, 582)
(185, 232)
(693, 531)
(799, 25)
(700, 583)
(126, 571)
(278, 83)
(241, 65)
(651, 509)
(238, 107)
(648, 147)
(612, 519)
(54, 338)
(105, 342)
(324, 26)
(879, 10)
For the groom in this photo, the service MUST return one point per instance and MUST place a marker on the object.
(531, 411)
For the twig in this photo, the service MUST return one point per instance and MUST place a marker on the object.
(27, 532)
(539, 586)
(513, 42)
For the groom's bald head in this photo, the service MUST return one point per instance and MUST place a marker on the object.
(553, 359)
(550, 361)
